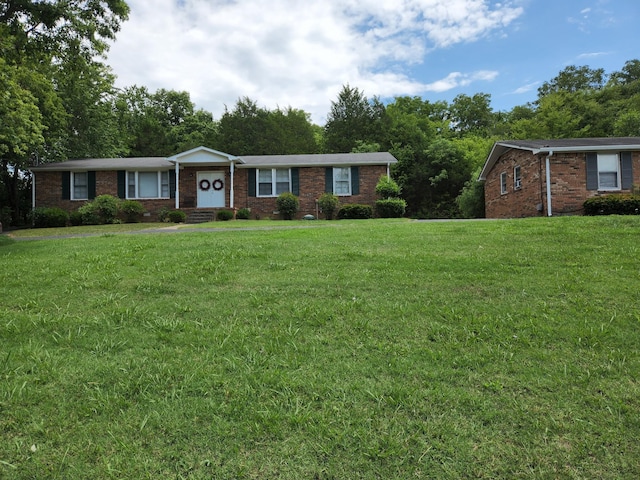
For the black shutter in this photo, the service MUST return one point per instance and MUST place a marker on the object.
(66, 185)
(355, 181)
(592, 171)
(172, 184)
(626, 166)
(251, 179)
(328, 179)
(91, 185)
(295, 181)
(122, 179)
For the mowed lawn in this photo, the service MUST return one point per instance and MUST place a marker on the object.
(336, 350)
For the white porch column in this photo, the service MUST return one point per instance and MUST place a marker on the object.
(231, 192)
(177, 184)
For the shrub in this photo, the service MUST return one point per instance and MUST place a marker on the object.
(224, 215)
(613, 205)
(387, 188)
(44, 217)
(355, 211)
(103, 209)
(243, 214)
(163, 214)
(177, 216)
(329, 204)
(390, 207)
(75, 218)
(5, 216)
(288, 205)
(131, 210)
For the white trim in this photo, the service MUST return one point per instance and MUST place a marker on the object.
(618, 186)
(136, 184)
(33, 190)
(177, 185)
(72, 186)
(548, 175)
(231, 189)
(504, 188)
(274, 181)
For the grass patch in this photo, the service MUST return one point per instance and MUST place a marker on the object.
(479, 349)
(84, 230)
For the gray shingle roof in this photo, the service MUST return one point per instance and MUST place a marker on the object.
(311, 160)
(136, 163)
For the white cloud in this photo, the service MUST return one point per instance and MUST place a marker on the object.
(285, 52)
(526, 88)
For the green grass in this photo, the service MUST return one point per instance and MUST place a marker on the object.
(85, 230)
(370, 349)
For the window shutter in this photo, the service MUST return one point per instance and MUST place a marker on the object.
(172, 184)
(626, 166)
(66, 185)
(121, 184)
(251, 178)
(328, 179)
(295, 181)
(91, 187)
(592, 171)
(355, 180)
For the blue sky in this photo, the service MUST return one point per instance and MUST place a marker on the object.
(300, 54)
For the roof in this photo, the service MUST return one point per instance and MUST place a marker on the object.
(202, 155)
(136, 163)
(558, 145)
(312, 160)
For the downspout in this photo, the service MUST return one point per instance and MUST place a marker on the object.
(548, 171)
(177, 184)
(231, 190)
(389, 170)
(33, 190)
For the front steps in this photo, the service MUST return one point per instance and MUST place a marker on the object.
(201, 216)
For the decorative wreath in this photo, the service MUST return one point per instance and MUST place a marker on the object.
(217, 184)
(205, 184)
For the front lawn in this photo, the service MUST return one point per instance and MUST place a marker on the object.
(364, 349)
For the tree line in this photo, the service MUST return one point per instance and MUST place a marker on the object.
(58, 101)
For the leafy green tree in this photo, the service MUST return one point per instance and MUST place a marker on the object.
(352, 118)
(574, 79)
(472, 115)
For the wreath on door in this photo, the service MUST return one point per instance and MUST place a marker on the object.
(204, 184)
(217, 184)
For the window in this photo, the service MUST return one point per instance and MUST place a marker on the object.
(517, 179)
(147, 184)
(79, 185)
(608, 171)
(272, 180)
(503, 183)
(342, 180)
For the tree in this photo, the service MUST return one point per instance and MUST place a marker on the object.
(353, 118)
(472, 115)
(574, 79)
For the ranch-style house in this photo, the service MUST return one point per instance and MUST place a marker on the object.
(202, 181)
(526, 178)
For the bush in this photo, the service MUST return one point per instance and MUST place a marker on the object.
(288, 205)
(355, 211)
(471, 200)
(390, 208)
(103, 209)
(224, 215)
(44, 217)
(177, 216)
(75, 218)
(329, 204)
(163, 214)
(131, 210)
(5, 216)
(615, 204)
(243, 214)
(387, 188)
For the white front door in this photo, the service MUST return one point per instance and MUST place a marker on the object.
(211, 190)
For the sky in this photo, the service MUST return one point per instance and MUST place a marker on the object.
(299, 54)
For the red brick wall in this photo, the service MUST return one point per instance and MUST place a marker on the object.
(568, 185)
(312, 181)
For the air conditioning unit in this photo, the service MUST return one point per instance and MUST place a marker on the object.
(518, 184)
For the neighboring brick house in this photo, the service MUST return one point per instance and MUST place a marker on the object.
(205, 180)
(527, 178)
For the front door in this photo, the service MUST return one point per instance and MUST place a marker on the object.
(211, 190)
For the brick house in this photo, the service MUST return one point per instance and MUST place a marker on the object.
(202, 181)
(527, 178)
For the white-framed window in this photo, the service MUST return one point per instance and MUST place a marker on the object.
(342, 181)
(79, 185)
(273, 181)
(517, 178)
(503, 183)
(147, 184)
(608, 171)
